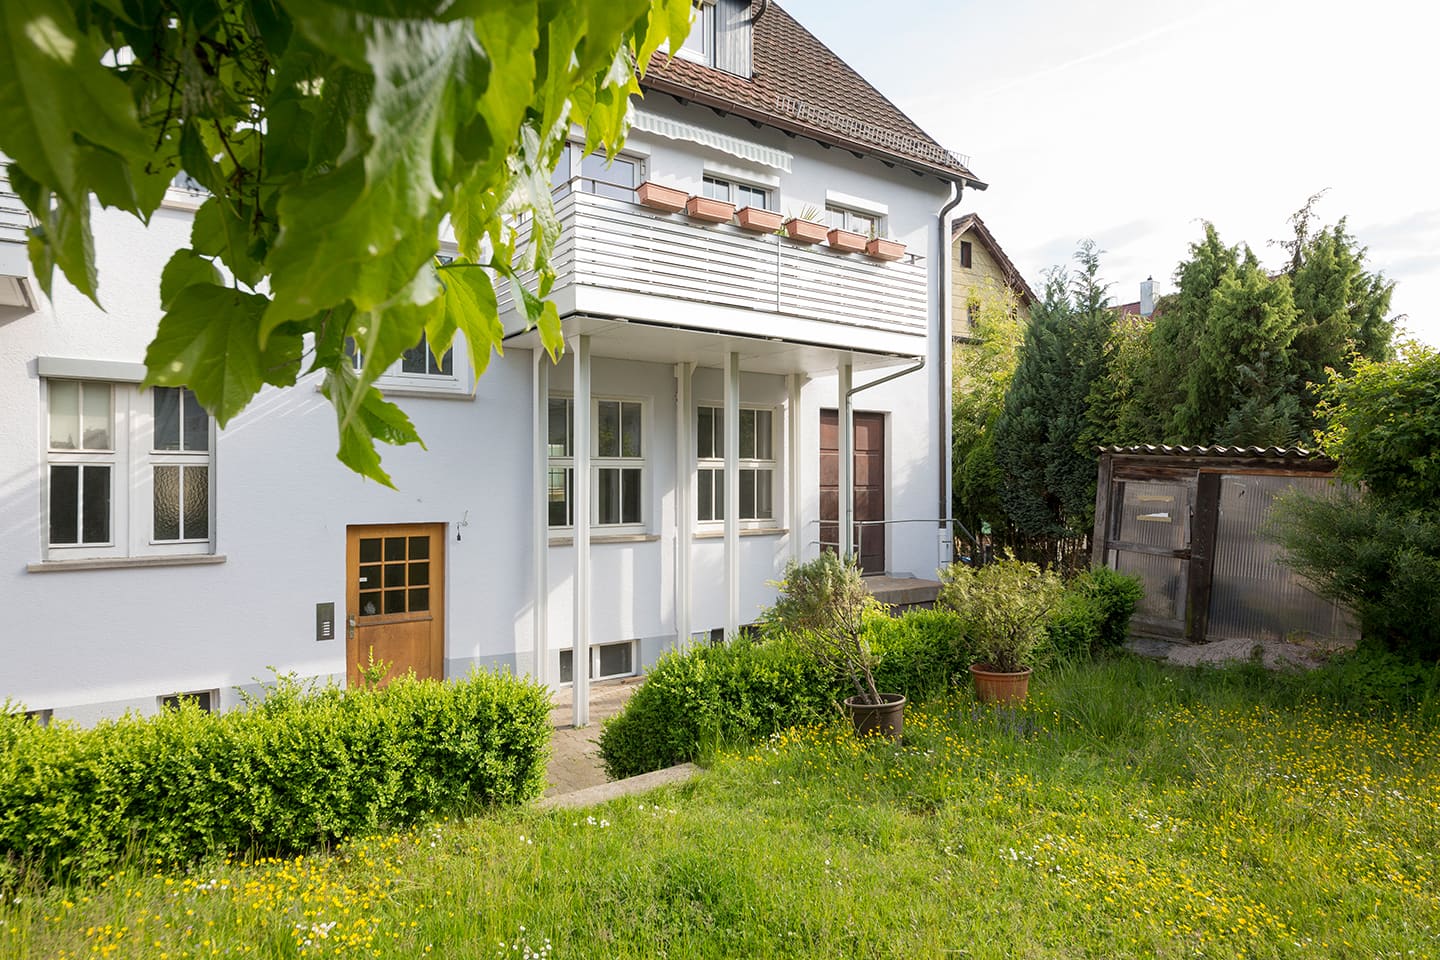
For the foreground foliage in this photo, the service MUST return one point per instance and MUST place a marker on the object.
(333, 140)
(1131, 810)
(294, 771)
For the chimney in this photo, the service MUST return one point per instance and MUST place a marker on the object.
(1147, 297)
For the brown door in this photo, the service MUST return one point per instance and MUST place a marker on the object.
(394, 596)
(869, 486)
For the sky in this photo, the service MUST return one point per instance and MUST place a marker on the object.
(1132, 123)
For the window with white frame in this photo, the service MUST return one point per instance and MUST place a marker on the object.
(699, 43)
(418, 364)
(757, 465)
(616, 178)
(607, 661)
(856, 221)
(617, 462)
(128, 473)
(741, 194)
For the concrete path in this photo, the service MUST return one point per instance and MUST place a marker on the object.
(589, 796)
(575, 754)
(1273, 654)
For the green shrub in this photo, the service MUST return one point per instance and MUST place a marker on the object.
(1004, 608)
(822, 605)
(296, 770)
(696, 699)
(1093, 614)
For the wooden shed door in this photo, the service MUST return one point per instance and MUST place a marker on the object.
(394, 599)
(869, 486)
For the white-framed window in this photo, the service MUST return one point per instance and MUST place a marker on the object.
(699, 44)
(129, 473)
(206, 700)
(617, 463)
(757, 465)
(419, 370)
(616, 178)
(607, 661)
(856, 221)
(741, 194)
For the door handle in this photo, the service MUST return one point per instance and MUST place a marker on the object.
(350, 627)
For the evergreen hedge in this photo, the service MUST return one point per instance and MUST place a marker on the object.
(298, 769)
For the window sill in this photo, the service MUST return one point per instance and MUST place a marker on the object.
(752, 532)
(394, 388)
(608, 538)
(123, 563)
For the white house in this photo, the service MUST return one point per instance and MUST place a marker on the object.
(708, 374)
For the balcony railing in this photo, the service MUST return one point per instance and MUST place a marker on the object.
(14, 218)
(619, 245)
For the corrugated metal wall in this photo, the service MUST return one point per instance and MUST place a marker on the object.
(1155, 514)
(1253, 595)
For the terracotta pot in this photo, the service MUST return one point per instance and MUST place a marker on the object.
(886, 718)
(806, 231)
(711, 211)
(882, 249)
(661, 198)
(992, 686)
(758, 219)
(846, 242)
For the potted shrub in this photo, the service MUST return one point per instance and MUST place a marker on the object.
(805, 226)
(659, 197)
(822, 606)
(882, 249)
(758, 219)
(1004, 607)
(846, 241)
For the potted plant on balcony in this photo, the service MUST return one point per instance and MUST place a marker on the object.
(1004, 607)
(758, 219)
(709, 210)
(805, 226)
(822, 606)
(882, 248)
(658, 197)
(846, 241)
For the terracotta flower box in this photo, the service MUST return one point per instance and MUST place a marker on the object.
(711, 211)
(845, 241)
(882, 249)
(656, 197)
(758, 219)
(806, 231)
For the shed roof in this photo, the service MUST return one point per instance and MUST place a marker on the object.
(1217, 452)
(801, 87)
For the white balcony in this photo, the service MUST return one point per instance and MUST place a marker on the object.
(618, 259)
(14, 261)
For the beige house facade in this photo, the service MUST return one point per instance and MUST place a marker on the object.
(978, 261)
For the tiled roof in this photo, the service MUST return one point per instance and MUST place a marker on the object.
(801, 87)
(972, 221)
(1164, 450)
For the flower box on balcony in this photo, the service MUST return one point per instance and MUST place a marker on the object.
(656, 197)
(711, 211)
(882, 249)
(758, 219)
(805, 231)
(846, 241)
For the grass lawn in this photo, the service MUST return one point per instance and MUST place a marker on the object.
(1131, 810)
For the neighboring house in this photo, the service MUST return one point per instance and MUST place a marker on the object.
(644, 491)
(977, 260)
(1143, 308)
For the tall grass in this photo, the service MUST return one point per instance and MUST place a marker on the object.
(1130, 810)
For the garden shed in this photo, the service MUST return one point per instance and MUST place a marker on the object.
(1188, 521)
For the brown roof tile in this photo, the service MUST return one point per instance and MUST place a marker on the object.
(972, 222)
(802, 87)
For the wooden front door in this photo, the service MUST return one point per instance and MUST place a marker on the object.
(869, 474)
(395, 599)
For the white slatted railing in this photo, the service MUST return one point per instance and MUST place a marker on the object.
(618, 245)
(14, 218)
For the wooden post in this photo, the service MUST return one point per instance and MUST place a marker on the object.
(1202, 555)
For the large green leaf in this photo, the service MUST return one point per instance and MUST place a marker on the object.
(209, 341)
(372, 419)
(470, 307)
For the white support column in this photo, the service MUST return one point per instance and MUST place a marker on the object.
(684, 513)
(540, 485)
(580, 655)
(847, 461)
(792, 467)
(732, 494)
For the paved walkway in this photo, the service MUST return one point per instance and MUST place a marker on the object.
(575, 754)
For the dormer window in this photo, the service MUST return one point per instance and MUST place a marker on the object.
(720, 36)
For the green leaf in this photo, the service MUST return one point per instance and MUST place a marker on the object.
(373, 418)
(221, 232)
(186, 267)
(470, 307)
(63, 239)
(64, 116)
(209, 341)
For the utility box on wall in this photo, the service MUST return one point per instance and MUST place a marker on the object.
(1189, 523)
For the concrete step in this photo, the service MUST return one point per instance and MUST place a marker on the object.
(630, 786)
(904, 593)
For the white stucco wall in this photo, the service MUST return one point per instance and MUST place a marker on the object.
(91, 643)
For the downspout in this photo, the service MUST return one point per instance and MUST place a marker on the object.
(942, 393)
